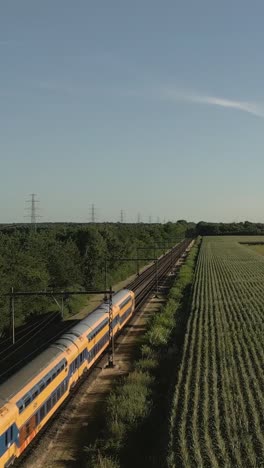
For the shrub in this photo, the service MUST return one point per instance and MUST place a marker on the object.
(126, 404)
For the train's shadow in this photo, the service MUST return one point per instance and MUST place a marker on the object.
(31, 339)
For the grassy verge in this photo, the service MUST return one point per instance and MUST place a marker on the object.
(137, 410)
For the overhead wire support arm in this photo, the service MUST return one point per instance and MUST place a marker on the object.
(63, 294)
(56, 293)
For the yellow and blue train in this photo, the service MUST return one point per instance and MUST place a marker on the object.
(31, 396)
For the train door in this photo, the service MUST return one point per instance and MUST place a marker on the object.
(74, 372)
(8, 441)
(91, 349)
(27, 432)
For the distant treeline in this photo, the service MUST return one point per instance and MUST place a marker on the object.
(69, 256)
(227, 229)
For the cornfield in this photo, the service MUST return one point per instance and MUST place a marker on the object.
(217, 417)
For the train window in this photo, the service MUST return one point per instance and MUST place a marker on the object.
(41, 387)
(35, 394)
(27, 401)
(9, 436)
(48, 405)
(42, 412)
(20, 407)
(27, 429)
(48, 381)
(53, 375)
(54, 399)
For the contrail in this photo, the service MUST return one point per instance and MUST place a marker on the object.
(245, 106)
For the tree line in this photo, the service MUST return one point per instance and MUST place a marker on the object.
(226, 229)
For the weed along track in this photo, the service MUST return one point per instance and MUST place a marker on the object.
(136, 423)
(217, 416)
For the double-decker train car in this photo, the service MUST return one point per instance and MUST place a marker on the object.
(31, 396)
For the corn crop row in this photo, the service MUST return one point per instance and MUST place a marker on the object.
(217, 416)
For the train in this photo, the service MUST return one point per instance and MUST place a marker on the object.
(30, 397)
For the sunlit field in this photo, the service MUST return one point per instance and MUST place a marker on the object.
(217, 417)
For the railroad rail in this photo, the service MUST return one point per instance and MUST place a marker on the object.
(145, 283)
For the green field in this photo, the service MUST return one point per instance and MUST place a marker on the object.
(257, 248)
(217, 418)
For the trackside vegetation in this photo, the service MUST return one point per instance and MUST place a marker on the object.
(217, 414)
(131, 406)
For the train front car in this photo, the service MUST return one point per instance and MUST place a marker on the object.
(125, 301)
(8, 433)
(30, 397)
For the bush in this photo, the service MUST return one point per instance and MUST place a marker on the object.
(127, 404)
(99, 460)
(146, 364)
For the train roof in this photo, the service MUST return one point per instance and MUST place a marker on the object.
(119, 295)
(89, 321)
(19, 380)
(84, 326)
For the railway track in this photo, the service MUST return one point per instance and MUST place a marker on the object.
(143, 286)
(148, 281)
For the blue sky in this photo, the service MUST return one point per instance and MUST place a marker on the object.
(152, 107)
